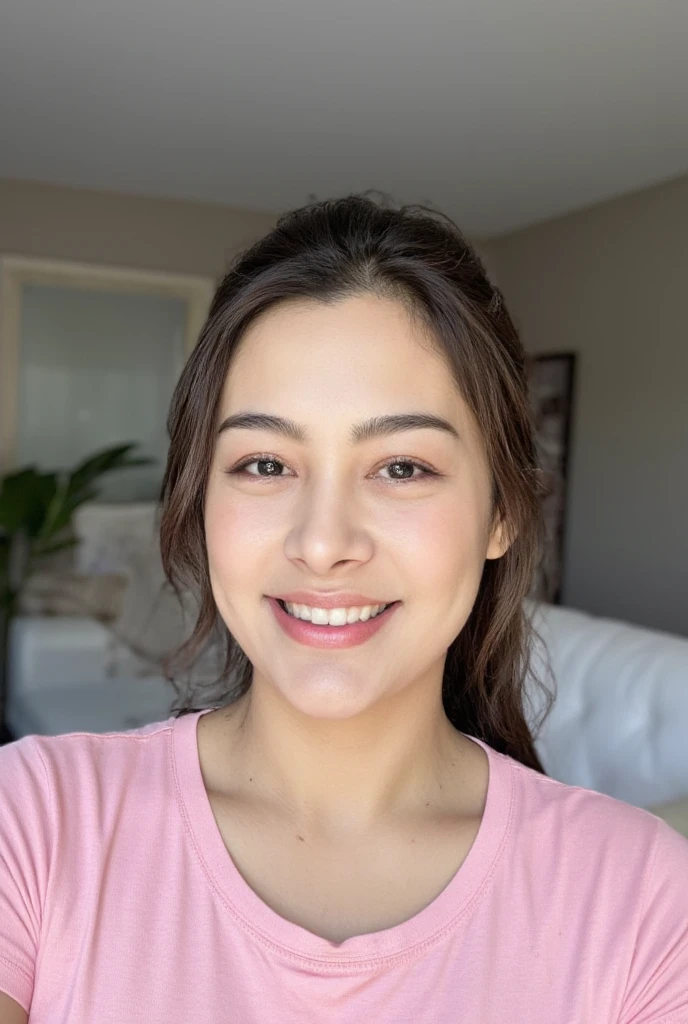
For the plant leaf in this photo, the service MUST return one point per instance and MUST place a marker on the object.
(42, 504)
(51, 549)
(24, 500)
(104, 462)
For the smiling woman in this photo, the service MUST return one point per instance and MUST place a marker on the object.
(398, 504)
(360, 829)
(383, 328)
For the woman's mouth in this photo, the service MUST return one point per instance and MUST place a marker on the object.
(335, 616)
(337, 633)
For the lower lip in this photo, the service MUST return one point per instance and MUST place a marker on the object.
(329, 636)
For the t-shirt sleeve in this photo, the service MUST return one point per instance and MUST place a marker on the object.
(25, 844)
(657, 989)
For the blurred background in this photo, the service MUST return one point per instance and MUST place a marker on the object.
(142, 144)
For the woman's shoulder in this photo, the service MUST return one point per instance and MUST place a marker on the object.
(613, 872)
(65, 799)
(69, 804)
(589, 833)
(585, 821)
(75, 744)
(54, 771)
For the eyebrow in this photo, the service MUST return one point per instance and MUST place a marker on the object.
(366, 430)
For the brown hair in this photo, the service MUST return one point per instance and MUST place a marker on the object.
(326, 251)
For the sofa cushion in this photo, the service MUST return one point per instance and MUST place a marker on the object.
(620, 718)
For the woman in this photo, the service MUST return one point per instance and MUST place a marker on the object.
(359, 829)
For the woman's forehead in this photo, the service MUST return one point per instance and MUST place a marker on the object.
(358, 346)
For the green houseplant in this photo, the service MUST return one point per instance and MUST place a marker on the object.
(36, 512)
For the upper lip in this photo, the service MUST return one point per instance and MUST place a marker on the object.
(345, 599)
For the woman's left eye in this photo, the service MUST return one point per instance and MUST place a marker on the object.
(408, 464)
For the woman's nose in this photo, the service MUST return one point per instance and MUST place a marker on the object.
(328, 529)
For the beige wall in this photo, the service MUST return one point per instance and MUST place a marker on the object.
(610, 283)
(150, 234)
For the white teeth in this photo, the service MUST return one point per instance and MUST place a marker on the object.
(334, 616)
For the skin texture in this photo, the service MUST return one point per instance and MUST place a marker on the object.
(348, 753)
(10, 1011)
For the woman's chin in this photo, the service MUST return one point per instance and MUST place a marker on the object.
(327, 699)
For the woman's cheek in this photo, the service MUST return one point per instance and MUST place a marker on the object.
(440, 534)
(227, 531)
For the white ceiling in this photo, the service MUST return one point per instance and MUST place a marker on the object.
(500, 112)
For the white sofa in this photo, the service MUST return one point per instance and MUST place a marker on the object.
(67, 674)
(619, 722)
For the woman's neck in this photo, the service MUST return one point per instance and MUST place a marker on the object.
(341, 776)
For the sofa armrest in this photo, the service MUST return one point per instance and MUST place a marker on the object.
(619, 723)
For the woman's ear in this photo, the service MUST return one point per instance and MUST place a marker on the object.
(500, 540)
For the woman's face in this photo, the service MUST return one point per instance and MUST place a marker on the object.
(330, 514)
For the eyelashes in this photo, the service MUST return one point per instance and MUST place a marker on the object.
(241, 469)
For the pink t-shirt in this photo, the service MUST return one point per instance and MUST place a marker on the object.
(119, 903)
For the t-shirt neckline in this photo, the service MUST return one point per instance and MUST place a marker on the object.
(404, 940)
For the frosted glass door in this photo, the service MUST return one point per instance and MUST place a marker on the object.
(97, 368)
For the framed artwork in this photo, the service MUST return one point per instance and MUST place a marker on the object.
(551, 382)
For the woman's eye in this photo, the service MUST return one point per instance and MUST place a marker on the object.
(272, 467)
(400, 470)
(403, 469)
